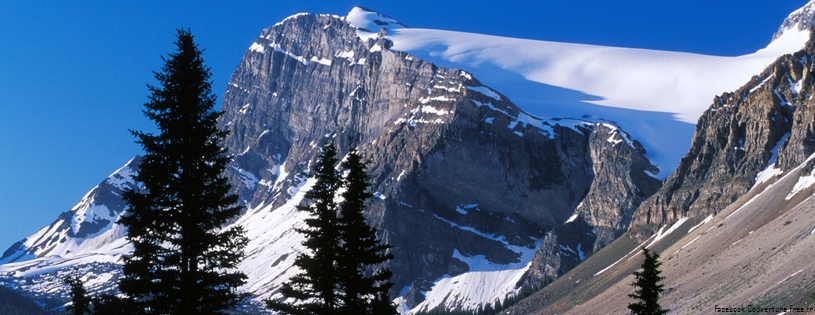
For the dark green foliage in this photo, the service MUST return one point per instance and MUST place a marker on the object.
(360, 249)
(315, 285)
(80, 302)
(14, 303)
(183, 260)
(339, 269)
(648, 288)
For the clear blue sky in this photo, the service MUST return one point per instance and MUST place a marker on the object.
(73, 74)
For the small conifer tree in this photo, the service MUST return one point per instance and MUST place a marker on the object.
(80, 302)
(361, 251)
(647, 287)
(314, 287)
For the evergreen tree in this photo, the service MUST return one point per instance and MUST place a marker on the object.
(184, 259)
(80, 303)
(648, 288)
(315, 286)
(360, 249)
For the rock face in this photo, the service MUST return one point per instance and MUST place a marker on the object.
(767, 121)
(620, 184)
(457, 167)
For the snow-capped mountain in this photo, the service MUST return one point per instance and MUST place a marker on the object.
(733, 223)
(498, 162)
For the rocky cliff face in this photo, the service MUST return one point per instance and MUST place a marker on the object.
(458, 169)
(765, 125)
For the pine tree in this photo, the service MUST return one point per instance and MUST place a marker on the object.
(80, 302)
(184, 258)
(315, 286)
(648, 288)
(361, 250)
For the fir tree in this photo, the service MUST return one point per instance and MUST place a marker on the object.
(339, 274)
(360, 249)
(314, 287)
(80, 303)
(184, 258)
(648, 288)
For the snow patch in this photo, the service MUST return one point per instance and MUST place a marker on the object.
(485, 91)
(321, 61)
(257, 48)
(248, 179)
(706, 220)
(771, 171)
(670, 230)
(433, 110)
(485, 282)
(803, 183)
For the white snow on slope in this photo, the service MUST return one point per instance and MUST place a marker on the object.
(771, 171)
(660, 235)
(656, 96)
(804, 181)
(483, 283)
(273, 243)
(108, 246)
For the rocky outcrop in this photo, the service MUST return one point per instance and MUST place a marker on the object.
(734, 140)
(621, 182)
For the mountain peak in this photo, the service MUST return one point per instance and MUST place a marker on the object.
(370, 20)
(799, 20)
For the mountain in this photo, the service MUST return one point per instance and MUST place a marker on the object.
(482, 187)
(734, 221)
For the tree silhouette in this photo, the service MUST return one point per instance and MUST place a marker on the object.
(647, 287)
(341, 269)
(314, 287)
(361, 251)
(80, 302)
(184, 259)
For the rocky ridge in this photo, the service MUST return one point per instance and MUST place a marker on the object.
(735, 140)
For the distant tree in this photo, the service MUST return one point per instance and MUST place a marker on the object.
(80, 302)
(184, 259)
(314, 288)
(361, 251)
(647, 287)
